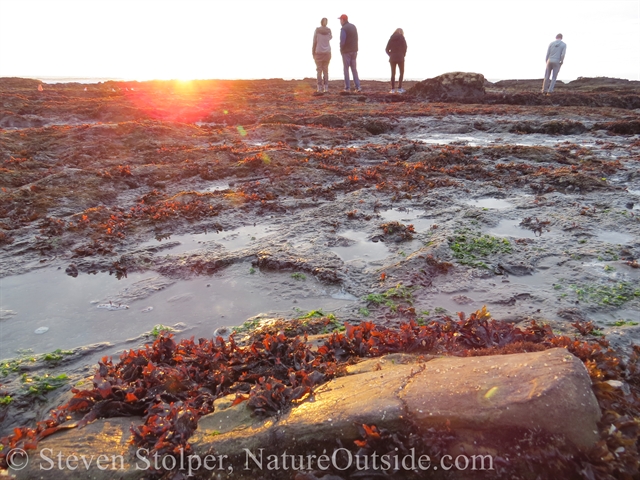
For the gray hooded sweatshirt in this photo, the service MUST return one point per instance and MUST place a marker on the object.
(321, 38)
(556, 51)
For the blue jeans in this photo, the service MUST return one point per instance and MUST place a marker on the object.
(349, 61)
(551, 71)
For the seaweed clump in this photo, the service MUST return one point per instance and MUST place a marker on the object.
(172, 384)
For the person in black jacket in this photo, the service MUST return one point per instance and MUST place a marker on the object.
(397, 49)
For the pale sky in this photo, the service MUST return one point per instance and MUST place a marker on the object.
(229, 39)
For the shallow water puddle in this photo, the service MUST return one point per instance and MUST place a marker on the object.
(452, 303)
(362, 249)
(613, 270)
(444, 139)
(512, 228)
(217, 186)
(68, 306)
(609, 318)
(232, 240)
(616, 238)
(491, 203)
(430, 132)
(408, 217)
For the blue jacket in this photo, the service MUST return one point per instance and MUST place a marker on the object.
(348, 38)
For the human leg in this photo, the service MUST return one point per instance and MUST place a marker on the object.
(555, 68)
(547, 75)
(346, 64)
(325, 71)
(401, 68)
(354, 70)
(318, 72)
(393, 74)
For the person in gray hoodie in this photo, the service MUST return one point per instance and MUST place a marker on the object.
(555, 58)
(321, 51)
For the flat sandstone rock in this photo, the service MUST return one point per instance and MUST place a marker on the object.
(549, 390)
(481, 397)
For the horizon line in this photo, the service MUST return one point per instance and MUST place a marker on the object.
(101, 79)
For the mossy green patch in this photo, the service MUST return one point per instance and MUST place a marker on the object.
(398, 293)
(56, 355)
(615, 294)
(157, 329)
(471, 247)
(38, 385)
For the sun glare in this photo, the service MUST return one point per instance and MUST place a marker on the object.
(179, 100)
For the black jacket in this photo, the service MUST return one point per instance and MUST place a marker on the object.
(396, 48)
(348, 38)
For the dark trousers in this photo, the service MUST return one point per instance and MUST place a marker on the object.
(393, 73)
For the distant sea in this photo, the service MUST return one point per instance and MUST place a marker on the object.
(78, 79)
(106, 79)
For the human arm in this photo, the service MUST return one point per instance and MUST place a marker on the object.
(388, 48)
(564, 50)
(315, 42)
(343, 38)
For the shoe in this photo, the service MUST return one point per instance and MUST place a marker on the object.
(326, 89)
(319, 90)
(358, 90)
(393, 90)
(401, 90)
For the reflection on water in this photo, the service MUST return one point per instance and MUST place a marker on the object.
(428, 133)
(232, 240)
(493, 203)
(67, 306)
(407, 217)
(616, 238)
(362, 249)
(511, 228)
(445, 139)
(217, 186)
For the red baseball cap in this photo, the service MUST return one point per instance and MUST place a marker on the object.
(343, 17)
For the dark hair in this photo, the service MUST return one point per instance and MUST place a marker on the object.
(323, 22)
(559, 36)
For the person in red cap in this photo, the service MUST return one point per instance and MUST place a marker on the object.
(349, 51)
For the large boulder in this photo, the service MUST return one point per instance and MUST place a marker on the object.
(454, 86)
(548, 390)
(481, 398)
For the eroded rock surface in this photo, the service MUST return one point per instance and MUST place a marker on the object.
(547, 390)
(480, 397)
(451, 86)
